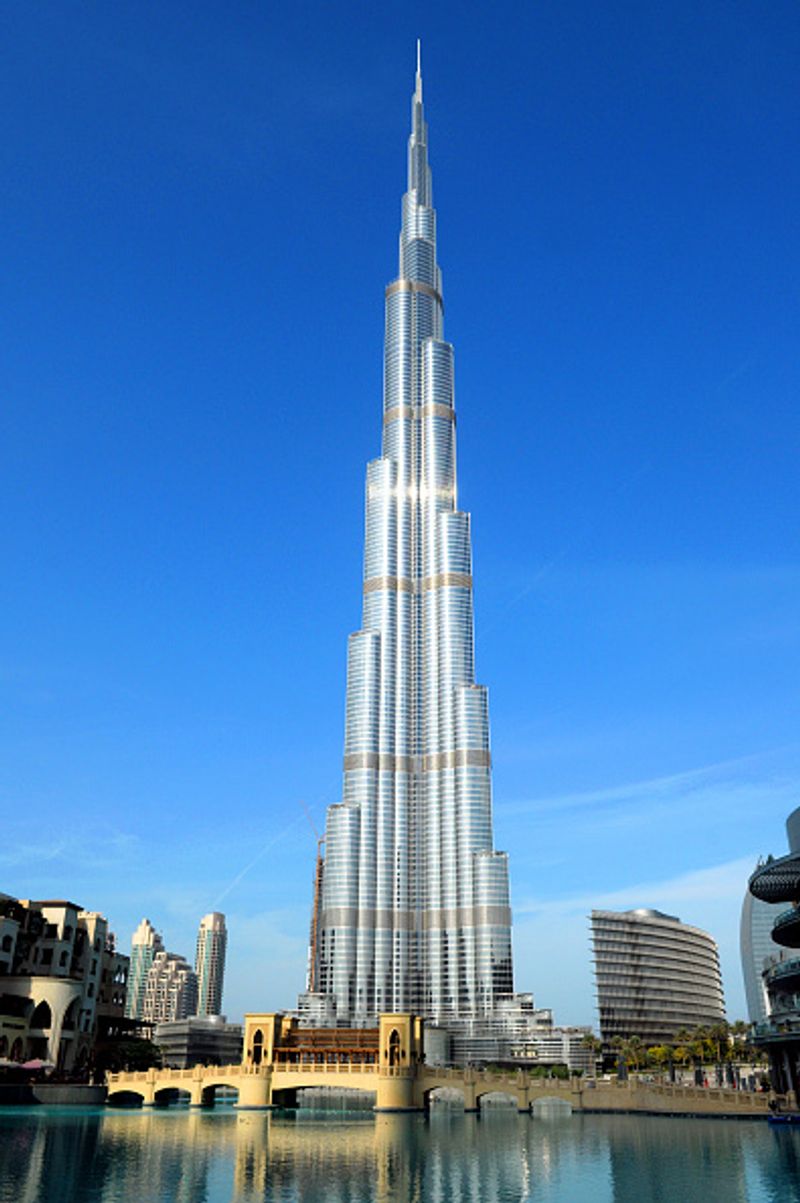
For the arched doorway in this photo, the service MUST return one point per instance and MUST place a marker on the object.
(394, 1048)
(258, 1046)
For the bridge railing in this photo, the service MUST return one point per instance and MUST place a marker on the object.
(323, 1067)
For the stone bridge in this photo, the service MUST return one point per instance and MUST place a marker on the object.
(281, 1060)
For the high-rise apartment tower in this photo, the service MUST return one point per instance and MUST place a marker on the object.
(212, 941)
(170, 991)
(145, 943)
(414, 907)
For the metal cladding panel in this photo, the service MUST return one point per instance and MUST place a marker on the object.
(421, 920)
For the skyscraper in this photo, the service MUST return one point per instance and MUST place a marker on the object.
(145, 943)
(756, 946)
(212, 940)
(414, 907)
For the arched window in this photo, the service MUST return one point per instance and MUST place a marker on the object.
(258, 1046)
(394, 1047)
(68, 932)
(16, 1050)
(7, 942)
(41, 1017)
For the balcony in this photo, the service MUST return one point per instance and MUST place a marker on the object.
(786, 929)
(778, 1028)
(777, 880)
(783, 971)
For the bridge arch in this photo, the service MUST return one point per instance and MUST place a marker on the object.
(444, 1094)
(165, 1096)
(129, 1097)
(209, 1091)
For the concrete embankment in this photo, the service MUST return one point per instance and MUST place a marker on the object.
(51, 1094)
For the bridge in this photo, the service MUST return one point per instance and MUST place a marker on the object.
(280, 1060)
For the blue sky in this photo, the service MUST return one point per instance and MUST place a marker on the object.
(201, 208)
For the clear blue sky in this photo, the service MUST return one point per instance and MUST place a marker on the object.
(201, 207)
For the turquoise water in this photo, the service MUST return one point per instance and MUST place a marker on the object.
(51, 1155)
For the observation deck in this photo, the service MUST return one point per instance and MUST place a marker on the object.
(777, 880)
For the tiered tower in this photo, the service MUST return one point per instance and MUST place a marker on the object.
(414, 908)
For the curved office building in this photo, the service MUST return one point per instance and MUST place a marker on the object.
(655, 975)
(757, 946)
(413, 913)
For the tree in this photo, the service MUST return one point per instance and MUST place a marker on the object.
(128, 1054)
(660, 1055)
(595, 1046)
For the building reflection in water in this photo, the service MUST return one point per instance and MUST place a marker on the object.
(657, 1158)
(223, 1156)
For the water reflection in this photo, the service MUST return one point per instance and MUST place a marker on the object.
(222, 1156)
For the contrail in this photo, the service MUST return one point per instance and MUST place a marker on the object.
(271, 844)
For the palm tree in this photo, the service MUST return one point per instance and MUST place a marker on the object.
(591, 1042)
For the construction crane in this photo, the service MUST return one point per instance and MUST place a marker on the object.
(319, 869)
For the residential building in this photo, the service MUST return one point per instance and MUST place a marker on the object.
(62, 981)
(757, 947)
(170, 991)
(207, 1040)
(413, 899)
(655, 975)
(212, 942)
(778, 881)
(145, 943)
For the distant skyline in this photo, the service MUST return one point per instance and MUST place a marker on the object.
(201, 208)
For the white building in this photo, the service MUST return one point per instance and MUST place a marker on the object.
(63, 981)
(212, 942)
(170, 991)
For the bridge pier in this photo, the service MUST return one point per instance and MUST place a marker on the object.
(395, 1092)
(255, 1092)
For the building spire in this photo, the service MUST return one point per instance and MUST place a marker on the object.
(418, 92)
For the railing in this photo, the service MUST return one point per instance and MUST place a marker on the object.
(323, 1067)
(789, 968)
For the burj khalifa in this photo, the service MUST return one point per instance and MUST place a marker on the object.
(412, 911)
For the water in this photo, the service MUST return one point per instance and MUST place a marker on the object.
(67, 1155)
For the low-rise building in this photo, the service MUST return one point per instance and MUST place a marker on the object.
(62, 981)
(199, 1040)
(556, 1046)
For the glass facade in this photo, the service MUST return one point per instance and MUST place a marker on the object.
(414, 912)
(757, 946)
(146, 942)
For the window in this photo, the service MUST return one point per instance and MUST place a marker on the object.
(47, 956)
(62, 960)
